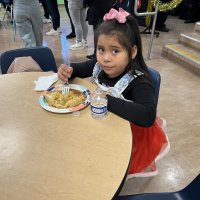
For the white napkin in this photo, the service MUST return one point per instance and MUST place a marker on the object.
(44, 82)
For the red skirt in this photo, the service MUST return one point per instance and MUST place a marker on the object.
(149, 145)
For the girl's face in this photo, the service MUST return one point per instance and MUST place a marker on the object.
(112, 56)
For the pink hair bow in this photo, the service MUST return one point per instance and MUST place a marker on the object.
(114, 14)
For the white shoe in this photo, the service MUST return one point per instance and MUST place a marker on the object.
(45, 21)
(77, 46)
(53, 32)
(59, 29)
(84, 43)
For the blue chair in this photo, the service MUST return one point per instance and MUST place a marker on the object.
(42, 55)
(190, 192)
(156, 82)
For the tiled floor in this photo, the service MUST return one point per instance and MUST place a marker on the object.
(179, 102)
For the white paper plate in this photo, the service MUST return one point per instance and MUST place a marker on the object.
(80, 88)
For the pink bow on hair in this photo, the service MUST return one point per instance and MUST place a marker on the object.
(114, 14)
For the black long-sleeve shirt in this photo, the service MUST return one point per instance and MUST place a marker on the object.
(141, 110)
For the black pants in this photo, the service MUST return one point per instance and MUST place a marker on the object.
(70, 19)
(194, 11)
(45, 7)
(161, 17)
(54, 12)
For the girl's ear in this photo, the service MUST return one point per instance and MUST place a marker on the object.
(133, 51)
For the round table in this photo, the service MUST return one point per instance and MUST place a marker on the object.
(51, 156)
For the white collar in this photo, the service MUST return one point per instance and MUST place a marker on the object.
(119, 87)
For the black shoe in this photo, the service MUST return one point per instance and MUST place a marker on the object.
(189, 21)
(90, 56)
(71, 35)
(162, 29)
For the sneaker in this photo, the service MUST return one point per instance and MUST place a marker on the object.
(84, 43)
(76, 46)
(71, 35)
(59, 30)
(45, 21)
(53, 32)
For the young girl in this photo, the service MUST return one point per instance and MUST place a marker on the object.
(120, 70)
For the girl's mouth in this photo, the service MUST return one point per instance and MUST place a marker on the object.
(107, 68)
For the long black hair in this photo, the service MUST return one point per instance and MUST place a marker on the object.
(128, 36)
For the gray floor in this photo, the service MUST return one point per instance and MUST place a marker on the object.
(179, 102)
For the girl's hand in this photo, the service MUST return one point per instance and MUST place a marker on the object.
(64, 72)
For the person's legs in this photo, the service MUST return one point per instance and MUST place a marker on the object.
(72, 34)
(54, 12)
(193, 14)
(25, 30)
(37, 24)
(24, 26)
(94, 54)
(75, 15)
(161, 19)
(84, 23)
(160, 23)
(46, 11)
(45, 8)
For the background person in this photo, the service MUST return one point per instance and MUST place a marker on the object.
(78, 15)
(96, 10)
(55, 16)
(46, 12)
(72, 34)
(28, 19)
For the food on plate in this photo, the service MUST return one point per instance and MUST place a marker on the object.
(57, 100)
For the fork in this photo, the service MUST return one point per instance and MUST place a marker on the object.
(65, 85)
(65, 88)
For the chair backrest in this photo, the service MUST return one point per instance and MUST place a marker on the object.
(42, 55)
(156, 82)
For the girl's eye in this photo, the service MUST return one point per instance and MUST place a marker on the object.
(101, 50)
(115, 51)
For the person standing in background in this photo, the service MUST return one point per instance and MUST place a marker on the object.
(161, 19)
(193, 14)
(96, 10)
(28, 19)
(78, 15)
(72, 34)
(46, 12)
(128, 5)
(55, 16)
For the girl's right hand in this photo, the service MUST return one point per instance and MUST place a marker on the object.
(64, 72)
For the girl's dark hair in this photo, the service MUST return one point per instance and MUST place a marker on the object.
(128, 36)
